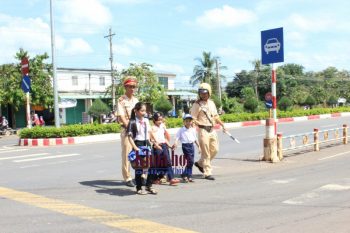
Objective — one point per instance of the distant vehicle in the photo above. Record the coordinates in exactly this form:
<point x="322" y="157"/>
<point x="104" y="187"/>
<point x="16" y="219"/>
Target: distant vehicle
<point x="272" y="44"/>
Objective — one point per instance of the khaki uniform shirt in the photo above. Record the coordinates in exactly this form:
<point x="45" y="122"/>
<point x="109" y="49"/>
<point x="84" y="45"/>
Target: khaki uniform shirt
<point x="198" y="109"/>
<point x="125" y="106"/>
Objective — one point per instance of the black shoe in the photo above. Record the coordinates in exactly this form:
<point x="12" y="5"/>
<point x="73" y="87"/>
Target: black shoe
<point x="209" y="177"/>
<point x="199" y="167"/>
<point x="130" y="183"/>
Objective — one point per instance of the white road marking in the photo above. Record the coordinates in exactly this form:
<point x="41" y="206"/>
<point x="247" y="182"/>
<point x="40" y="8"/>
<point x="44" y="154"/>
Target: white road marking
<point x="286" y="181"/>
<point x="335" y="187"/>
<point x="332" y="156"/>
<point x="329" y="126"/>
<point x="8" y="151"/>
<point x="319" y="193"/>
<point x="48" y="157"/>
<point x="23" y="156"/>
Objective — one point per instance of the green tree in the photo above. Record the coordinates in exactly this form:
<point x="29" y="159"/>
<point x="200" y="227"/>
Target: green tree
<point x="149" y="89"/>
<point x="332" y="101"/>
<point x="97" y="108"/>
<point x="163" y="105"/>
<point x="41" y="92"/>
<point x="232" y="105"/>
<point x="41" y="85"/>
<point x="251" y="104"/>
<point x="206" y="71"/>
<point x="284" y="103"/>
<point x="310" y="101"/>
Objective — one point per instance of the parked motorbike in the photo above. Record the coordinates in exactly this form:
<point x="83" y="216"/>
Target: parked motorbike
<point x="7" y="131"/>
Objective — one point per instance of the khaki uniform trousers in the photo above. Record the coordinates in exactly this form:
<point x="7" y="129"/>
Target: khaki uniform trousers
<point x="209" y="145"/>
<point x="126" y="148"/>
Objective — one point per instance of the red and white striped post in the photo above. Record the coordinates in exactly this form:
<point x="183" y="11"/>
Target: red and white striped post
<point x="274" y="99"/>
<point x="270" y="142"/>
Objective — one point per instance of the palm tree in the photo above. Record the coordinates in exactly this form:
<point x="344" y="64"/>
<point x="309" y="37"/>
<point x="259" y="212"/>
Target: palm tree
<point x="257" y="69"/>
<point x="205" y="72"/>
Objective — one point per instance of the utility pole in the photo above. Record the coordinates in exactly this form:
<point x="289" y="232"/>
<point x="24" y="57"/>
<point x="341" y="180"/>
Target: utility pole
<point x="55" y="85"/>
<point x="109" y="36"/>
<point x="218" y="80"/>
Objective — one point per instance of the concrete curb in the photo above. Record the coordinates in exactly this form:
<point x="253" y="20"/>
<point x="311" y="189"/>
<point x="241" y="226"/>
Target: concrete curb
<point x="172" y="131"/>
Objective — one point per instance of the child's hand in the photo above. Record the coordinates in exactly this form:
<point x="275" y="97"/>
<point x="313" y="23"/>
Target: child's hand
<point x="157" y="146"/>
<point x="173" y="147"/>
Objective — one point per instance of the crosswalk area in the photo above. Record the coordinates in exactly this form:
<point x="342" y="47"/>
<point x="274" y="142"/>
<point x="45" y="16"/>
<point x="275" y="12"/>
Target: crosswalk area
<point x="22" y="155"/>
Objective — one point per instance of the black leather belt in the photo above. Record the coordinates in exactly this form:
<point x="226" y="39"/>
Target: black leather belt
<point x="206" y="127"/>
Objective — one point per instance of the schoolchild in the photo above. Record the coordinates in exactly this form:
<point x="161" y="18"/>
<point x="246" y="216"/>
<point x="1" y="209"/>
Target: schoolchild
<point x="187" y="136"/>
<point x="139" y="134"/>
<point x="162" y="160"/>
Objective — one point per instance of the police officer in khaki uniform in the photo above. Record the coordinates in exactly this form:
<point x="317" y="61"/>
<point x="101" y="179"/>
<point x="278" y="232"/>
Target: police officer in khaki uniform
<point x="205" y="116"/>
<point x="125" y="105"/>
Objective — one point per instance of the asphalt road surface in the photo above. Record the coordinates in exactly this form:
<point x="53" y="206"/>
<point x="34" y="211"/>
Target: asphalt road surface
<point x="78" y="188"/>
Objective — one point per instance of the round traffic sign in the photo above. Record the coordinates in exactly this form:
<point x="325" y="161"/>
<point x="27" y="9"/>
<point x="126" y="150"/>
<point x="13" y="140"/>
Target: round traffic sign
<point x="25" y="66"/>
<point x="268" y="96"/>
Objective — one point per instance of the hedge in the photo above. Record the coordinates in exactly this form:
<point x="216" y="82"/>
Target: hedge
<point x="69" y="131"/>
<point x="93" y="129"/>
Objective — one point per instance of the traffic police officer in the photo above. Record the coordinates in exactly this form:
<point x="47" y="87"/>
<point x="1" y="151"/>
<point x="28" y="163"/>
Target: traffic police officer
<point x="125" y="104"/>
<point x="205" y="116"/>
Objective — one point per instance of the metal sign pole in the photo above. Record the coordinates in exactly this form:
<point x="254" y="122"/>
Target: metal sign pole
<point x="274" y="99"/>
<point x="29" y="120"/>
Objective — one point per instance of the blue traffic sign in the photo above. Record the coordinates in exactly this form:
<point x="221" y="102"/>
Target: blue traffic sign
<point x="268" y="104"/>
<point x="272" y="46"/>
<point x="25" y="84"/>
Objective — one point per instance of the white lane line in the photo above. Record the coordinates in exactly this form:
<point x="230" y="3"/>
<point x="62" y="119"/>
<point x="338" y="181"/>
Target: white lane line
<point x="317" y="194"/>
<point x="42" y="158"/>
<point x="24" y="156"/>
<point x="332" y="156"/>
<point x="328" y="126"/>
<point x="8" y="151"/>
<point x="286" y="181"/>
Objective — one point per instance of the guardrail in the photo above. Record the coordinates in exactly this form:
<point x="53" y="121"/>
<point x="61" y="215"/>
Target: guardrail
<point x="315" y="138"/>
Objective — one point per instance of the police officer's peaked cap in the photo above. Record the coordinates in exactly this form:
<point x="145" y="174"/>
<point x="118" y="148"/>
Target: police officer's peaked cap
<point x="130" y="81"/>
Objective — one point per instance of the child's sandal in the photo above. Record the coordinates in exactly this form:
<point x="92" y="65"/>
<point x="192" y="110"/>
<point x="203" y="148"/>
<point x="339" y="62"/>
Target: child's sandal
<point x="151" y="190"/>
<point x="185" y="179"/>
<point x="140" y="192"/>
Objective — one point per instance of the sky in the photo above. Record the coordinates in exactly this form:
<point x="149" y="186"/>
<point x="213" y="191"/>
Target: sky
<point x="171" y="34"/>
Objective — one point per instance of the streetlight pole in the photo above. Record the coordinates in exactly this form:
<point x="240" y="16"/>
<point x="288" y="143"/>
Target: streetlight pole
<point x="55" y="91"/>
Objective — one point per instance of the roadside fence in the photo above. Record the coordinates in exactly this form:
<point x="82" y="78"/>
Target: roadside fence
<point x="311" y="139"/>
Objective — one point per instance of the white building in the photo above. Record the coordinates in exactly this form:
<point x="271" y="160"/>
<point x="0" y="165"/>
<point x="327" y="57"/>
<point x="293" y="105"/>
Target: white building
<point x="78" y="87"/>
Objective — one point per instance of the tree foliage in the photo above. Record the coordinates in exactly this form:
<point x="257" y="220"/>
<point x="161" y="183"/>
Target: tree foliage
<point x="97" y="108"/>
<point x="41" y="92"/>
<point x="149" y="88"/>
<point x="206" y="71"/>
<point x="163" y="105"/>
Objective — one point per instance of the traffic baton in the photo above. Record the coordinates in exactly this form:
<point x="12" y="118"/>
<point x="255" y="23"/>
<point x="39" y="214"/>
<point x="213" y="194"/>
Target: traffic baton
<point x="233" y="138"/>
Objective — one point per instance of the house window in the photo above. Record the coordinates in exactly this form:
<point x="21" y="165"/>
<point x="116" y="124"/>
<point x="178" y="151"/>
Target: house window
<point x="164" y="82"/>
<point x="75" y="80"/>
<point x="102" y="81"/>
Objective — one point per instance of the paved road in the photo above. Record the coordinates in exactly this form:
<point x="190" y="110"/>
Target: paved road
<point x="78" y="188"/>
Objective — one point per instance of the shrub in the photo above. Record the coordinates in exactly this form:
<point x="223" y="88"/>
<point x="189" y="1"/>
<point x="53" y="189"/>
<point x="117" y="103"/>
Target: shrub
<point x="251" y="104"/>
<point x="97" y="108"/>
<point x="163" y="105"/>
<point x="285" y="103"/>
